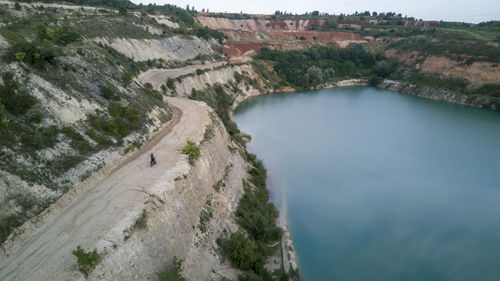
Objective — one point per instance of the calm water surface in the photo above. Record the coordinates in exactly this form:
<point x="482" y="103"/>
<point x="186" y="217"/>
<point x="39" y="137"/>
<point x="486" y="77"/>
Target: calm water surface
<point x="380" y="185"/>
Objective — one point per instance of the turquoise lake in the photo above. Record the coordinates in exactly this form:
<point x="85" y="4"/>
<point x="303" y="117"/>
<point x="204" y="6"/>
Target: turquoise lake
<point x="379" y="185"/>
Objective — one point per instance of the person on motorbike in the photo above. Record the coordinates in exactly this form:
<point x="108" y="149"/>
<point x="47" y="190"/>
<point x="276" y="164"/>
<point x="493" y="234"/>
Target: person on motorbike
<point x="153" y="160"/>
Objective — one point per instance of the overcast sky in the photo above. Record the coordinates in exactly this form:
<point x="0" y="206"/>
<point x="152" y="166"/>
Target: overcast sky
<point x="448" y="10"/>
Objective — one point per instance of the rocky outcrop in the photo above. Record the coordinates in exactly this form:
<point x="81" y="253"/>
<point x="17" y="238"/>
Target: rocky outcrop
<point x="186" y="79"/>
<point x="481" y="101"/>
<point x="210" y="78"/>
<point x="159" y="76"/>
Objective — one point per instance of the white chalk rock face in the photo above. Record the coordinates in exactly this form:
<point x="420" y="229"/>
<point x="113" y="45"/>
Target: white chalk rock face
<point x="173" y="48"/>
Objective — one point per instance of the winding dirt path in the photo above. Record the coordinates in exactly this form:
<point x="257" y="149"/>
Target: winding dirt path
<point x="98" y="215"/>
<point x="156" y="77"/>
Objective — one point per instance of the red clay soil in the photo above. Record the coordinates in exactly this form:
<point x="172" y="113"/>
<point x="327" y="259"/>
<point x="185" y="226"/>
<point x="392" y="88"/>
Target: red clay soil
<point x="248" y="36"/>
<point x="278" y="25"/>
<point x="243" y="49"/>
<point x="273" y="35"/>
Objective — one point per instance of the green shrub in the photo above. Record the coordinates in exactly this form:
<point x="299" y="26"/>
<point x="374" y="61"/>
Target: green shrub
<point x="124" y="120"/>
<point x="86" y="260"/>
<point x="35" y="117"/>
<point x="256" y="215"/>
<point x="192" y="150"/>
<point x="14" y="100"/>
<point x="199" y="71"/>
<point x="488" y="89"/>
<point x="238" y="77"/>
<point x="375" y="80"/>
<point x="5" y="122"/>
<point x="49" y="135"/>
<point x="108" y="92"/>
<point x="206" y="215"/>
<point x="36" y="55"/>
<point x="77" y="140"/>
<point x="2" y="107"/>
<point x="171" y="83"/>
<point x="62" y="35"/>
<point x="242" y="251"/>
<point x="63" y="164"/>
<point x="102" y="141"/>
<point x="7" y="224"/>
<point x="437" y="82"/>
<point x="148" y="90"/>
<point x="141" y="222"/>
<point x="127" y="78"/>
<point x="173" y="272"/>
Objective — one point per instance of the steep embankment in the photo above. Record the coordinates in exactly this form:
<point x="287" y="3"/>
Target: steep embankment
<point x="248" y="36"/>
<point x="481" y="101"/>
<point x="168" y="49"/>
<point x="102" y="214"/>
<point x="186" y="80"/>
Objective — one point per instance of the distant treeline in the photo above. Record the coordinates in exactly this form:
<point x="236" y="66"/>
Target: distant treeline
<point x="100" y="3"/>
<point x="320" y="64"/>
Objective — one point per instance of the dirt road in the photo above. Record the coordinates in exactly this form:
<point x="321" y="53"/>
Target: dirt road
<point x="157" y="77"/>
<point x="98" y="215"/>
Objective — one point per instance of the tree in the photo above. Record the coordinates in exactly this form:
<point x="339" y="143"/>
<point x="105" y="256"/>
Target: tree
<point x="329" y="74"/>
<point x="382" y="69"/>
<point x="332" y="24"/>
<point x="314" y="76"/>
<point x="122" y="10"/>
<point x="242" y="251"/>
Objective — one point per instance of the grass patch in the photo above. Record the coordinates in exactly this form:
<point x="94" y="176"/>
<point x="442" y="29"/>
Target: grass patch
<point x="206" y="215"/>
<point x="86" y="260"/>
<point x="141" y="222"/>
<point x="8" y="224"/>
<point x="77" y="140"/>
<point x="14" y="99"/>
<point x="173" y="272"/>
<point x="192" y="150"/>
<point x="209" y="133"/>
